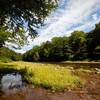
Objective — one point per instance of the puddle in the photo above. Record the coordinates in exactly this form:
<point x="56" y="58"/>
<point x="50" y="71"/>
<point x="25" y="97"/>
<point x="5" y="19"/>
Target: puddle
<point x="10" y="83"/>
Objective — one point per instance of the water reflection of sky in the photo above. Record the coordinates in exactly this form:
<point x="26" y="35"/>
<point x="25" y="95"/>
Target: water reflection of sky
<point x="11" y="81"/>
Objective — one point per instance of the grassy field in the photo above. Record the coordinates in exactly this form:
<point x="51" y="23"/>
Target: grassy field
<point x="51" y="76"/>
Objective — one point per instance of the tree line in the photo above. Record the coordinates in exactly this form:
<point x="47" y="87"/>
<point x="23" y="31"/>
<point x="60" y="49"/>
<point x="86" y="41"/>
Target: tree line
<point x="78" y="46"/>
<point x="7" y="55"/>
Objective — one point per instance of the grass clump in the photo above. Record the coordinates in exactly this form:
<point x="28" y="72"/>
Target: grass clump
<point x="84" y="70"/>
<point x="52" y="77"/>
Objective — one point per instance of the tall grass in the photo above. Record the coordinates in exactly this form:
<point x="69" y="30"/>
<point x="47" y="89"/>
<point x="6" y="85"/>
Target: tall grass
<point x="52" y="77"/>
<point x="49" y="76"/>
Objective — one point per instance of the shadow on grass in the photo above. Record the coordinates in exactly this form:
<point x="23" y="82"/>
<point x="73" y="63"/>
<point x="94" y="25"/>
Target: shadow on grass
<point x="6" y="69"/>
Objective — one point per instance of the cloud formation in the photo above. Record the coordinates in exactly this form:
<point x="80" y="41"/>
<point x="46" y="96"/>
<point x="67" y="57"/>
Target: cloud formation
<point x="71" y="15"/>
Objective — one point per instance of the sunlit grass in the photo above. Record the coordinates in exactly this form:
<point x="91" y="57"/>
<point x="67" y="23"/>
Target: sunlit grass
<point x="51" y="77"/>
<point x="84" y="70"/>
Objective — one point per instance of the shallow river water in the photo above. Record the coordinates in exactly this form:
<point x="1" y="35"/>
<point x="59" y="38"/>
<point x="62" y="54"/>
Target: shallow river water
<point x="12" y="88"/>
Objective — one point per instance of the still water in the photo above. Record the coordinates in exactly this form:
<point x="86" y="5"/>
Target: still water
<point x="11" y="81"/>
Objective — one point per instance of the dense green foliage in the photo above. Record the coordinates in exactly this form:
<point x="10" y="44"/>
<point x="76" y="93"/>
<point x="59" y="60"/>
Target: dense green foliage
<point x="6" y="36"/>
<point x="77" y="42"/>
<point x="7" y="55"/>
<point x="3" y="36"/>
<point x="93" y="43"/>
<point x="78" y="46"/>
<point x="20" y="17"/>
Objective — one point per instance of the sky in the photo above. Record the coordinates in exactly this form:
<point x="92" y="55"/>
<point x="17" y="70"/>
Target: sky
<point x="71" y="15"/>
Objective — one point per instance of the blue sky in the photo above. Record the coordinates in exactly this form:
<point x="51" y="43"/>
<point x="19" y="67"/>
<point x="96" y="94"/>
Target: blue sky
<point x="71" y="15"/>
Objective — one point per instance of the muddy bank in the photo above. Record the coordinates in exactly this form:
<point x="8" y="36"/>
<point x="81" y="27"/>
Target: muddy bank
<point x="41" y="94"/>
<point x="38" y="94"/>
<point x="76" y="64"/>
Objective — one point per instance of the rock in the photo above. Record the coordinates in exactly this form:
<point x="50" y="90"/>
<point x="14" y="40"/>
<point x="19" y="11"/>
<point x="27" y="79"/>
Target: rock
<point x="98" y="70"/>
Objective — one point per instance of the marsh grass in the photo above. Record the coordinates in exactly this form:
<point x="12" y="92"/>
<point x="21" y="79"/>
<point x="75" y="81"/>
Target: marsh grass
<point x="84" y="70"/>
<point x="48" y="76"/>
<point x="51" y="77"/>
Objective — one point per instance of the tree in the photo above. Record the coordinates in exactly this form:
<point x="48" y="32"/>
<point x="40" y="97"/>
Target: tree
<point x="57" y="48"/>
<point x="96" y="53"/>
<point x="36" y="56"/>
<point x="45" y="51"/>
<point x="66" y="49"/>
<point x="77" y="42"/>
<point x="93" y="41"/>
<point x="6" y="36"/>
<point x="61" y="48"/>
<point x="32" y="55"/>
<point x="28" y="56"/>
<point x="3" y="36"/>
<point x="19" y="15"/>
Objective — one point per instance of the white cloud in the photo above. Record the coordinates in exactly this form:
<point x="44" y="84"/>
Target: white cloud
<point x="62" y="2"/>
<point x="75" y="13"/>
<point x="95" y="16"/>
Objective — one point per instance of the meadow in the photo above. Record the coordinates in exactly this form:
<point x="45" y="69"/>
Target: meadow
<point x="49" y="76"/>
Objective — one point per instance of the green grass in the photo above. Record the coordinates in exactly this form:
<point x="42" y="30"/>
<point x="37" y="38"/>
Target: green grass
<point x="81" y="61"/>
<point x="49" y="76"/>
<point x="84" y="70"/>
<point x="5" y="60"/>
<point x="52" y="77"/>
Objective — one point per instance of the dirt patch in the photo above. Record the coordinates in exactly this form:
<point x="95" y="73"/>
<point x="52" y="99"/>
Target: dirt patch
<point x="91" y="88"/>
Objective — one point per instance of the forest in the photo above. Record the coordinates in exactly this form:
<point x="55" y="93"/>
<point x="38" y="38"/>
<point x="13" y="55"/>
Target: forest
<point x="78" y="46"/>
